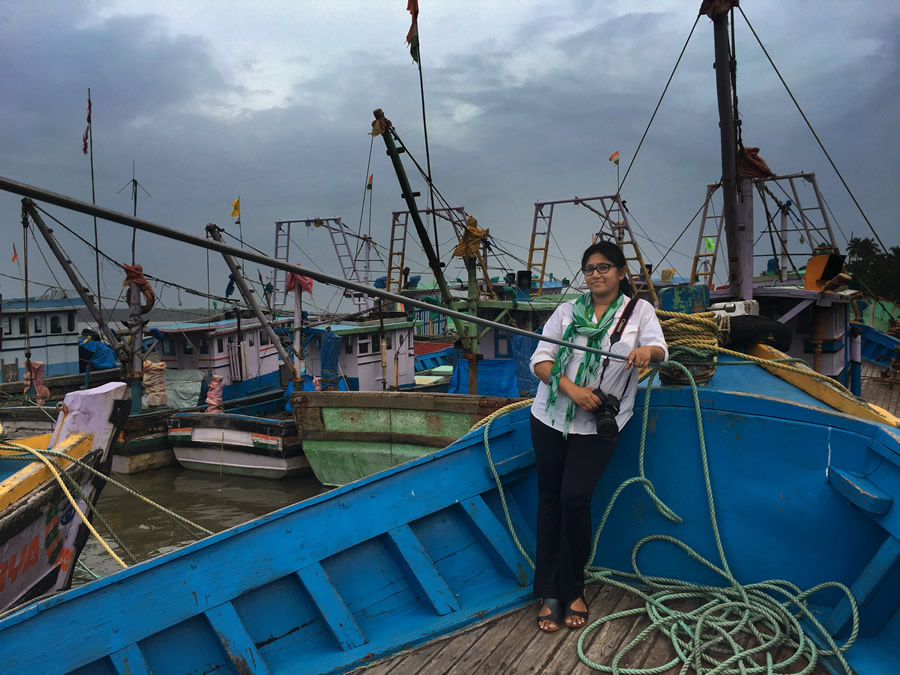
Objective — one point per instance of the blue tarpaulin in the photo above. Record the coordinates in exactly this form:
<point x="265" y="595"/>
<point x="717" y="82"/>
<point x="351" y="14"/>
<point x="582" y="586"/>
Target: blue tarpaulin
<point x="496" y="377"/>
<point x="307" y="385"/>
<point x="522" y="349"/>
<point x="102" y="355"/>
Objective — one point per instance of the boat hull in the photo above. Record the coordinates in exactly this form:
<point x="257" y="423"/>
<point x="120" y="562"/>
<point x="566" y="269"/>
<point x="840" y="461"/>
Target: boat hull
<point x="41" y="533"/>
<point x="424" y="549"/>
<point x="350" y="435"/>
<point x="237" y="444"/>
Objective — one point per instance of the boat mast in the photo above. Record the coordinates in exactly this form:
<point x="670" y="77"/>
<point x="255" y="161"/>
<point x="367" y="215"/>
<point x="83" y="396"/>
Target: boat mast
<point x="740" y="261"/>
<point x="468" y="337"/>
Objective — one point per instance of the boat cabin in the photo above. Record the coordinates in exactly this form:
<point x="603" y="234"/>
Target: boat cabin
<point x="53" y="324"/>
<point x="352" y="350"/>
<point x="237" y="349"/>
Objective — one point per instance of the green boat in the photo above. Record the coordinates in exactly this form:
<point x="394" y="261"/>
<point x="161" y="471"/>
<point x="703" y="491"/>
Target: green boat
<point x="348" y="435"/>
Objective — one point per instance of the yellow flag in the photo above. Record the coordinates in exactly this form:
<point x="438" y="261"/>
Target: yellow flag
<point x="236" y="208"/>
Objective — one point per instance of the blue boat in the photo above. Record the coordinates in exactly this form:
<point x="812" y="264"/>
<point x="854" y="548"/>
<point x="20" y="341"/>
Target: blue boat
<point x="801" y="494"/>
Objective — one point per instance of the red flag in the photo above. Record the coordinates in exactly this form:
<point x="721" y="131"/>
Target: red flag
<point x="15" y="254"/>
<point x="298" y="280"/>
<point x="369" y="182"/>
<point x="412" y="37"/>
<point x="87" y="130"/>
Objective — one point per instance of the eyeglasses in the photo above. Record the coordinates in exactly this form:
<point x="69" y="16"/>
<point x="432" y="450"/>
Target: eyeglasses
<point x="603" y="268"/>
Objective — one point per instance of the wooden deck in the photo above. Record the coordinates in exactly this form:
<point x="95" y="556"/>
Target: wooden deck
<point x="512" y="643"/>
<point x="878" y="390"/>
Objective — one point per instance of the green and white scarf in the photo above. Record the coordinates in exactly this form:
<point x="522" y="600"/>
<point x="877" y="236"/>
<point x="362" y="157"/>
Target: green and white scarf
<point x="582" y="324"/>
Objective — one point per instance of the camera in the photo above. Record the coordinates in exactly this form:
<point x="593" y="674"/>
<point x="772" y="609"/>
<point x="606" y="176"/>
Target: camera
<point x="606" y="414"/>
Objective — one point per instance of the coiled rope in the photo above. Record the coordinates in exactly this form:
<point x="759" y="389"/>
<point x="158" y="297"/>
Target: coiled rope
<point x="706" y="637"/>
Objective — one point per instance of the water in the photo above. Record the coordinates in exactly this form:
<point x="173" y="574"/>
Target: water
<point x="213" y="501"/>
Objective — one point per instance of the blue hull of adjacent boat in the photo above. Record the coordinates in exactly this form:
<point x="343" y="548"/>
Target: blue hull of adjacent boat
<point x="801" y="494"/>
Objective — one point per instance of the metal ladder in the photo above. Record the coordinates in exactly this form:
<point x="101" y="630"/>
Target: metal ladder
<point x="700" y="258"/>
<point x="614" y="225"/>
<point x="397" y="254"/>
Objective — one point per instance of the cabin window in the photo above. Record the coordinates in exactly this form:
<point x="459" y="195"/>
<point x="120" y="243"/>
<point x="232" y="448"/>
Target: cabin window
<point x="387" y="341"/>
<point x="231" y="339"/>
<point x="23" y="327"/>
<point x="263" y="338"/>
<point x="7" y="326"/>
<point x="168" y="346"/>
<point x="363" y="346"/>
<point x="220" y="346"/>
<point x="251" y="339"/>
<point x="70" y="322"/>
<point x="55" y="324"/>
<point x="348" y="344"/>
<point x="204" y="346"/>
<point x="188" y="346"/>
<point x="38" y="324"/>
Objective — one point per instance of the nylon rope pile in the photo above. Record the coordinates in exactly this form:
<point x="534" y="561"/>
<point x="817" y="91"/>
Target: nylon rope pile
<point x="704" y="638"/>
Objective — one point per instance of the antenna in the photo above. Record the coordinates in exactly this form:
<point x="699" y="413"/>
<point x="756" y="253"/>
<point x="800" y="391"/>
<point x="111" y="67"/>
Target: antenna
<point x="134" y="195"/>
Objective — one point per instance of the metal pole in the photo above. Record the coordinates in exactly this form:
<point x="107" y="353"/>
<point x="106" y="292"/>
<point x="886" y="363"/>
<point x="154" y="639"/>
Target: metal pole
<point x="80" y="206"/>
<point x="729" y="154"/>
<point x="433" y="261"/>
<point x="124" y="357"/>
<point x="213" y="231"/>
<point x="136" y="376"/>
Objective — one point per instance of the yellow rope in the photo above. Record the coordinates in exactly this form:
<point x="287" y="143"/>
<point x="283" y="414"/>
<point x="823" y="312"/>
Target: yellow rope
<point x="11" y="445"/>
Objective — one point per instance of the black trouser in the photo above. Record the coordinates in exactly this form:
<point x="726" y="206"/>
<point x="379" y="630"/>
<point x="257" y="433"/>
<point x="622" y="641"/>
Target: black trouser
<point x="568" y="470"/>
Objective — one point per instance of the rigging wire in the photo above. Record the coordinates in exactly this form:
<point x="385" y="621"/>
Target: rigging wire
<point x="656" y="109"/>
<point x="813" y="131"/>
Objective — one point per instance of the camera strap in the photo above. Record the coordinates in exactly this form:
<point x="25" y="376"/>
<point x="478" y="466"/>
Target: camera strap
<point x="616" y="335"/>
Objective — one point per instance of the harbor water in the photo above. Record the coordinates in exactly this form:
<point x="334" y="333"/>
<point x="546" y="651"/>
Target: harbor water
<point x="216" y="502"/>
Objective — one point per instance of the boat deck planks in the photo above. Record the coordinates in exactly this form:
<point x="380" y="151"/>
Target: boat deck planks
<point x="512" y="643"/>
<point x="878" y="390"/>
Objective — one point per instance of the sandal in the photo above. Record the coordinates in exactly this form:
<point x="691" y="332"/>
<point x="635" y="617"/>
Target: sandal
<point x="555" y="615"/>
<point x="574" y="612"/>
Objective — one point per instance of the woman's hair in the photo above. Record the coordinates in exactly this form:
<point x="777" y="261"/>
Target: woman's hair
<point x="611" y="251"/>
<point x="608" y="249"/>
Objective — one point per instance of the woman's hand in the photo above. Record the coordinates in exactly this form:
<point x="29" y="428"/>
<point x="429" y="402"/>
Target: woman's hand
<point x="583" y="397"/>
<point x="642" y="356"/>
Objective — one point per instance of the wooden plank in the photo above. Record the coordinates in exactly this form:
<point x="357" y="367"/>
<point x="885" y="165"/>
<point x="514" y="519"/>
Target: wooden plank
<point x="412" y="663"/>
<point x="331" y="607"/>
<point x="420" y="571"/>
<point x="443" y="661"/>
<point x="614" y="636"/>
<point x="130" y="661"/>
<point x="511" y="645"/>
<point x="495" y="539"/>
<point x="237" y="642"/>
<point x="474" y="660"/>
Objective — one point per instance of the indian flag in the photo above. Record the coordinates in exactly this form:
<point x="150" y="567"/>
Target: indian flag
<point x="614" y="157"/>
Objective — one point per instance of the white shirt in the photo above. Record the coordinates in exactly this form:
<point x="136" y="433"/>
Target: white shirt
<point x="642" y="330"/>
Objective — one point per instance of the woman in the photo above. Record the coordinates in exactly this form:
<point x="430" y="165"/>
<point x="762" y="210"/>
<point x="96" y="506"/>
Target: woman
<point x="570" y="454"/>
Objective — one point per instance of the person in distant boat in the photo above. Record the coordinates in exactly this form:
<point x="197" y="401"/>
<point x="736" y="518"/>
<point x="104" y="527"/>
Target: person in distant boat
<point x="582" y="402"/>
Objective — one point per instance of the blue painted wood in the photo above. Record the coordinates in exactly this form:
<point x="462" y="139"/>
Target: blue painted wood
<point x="883" y="563"/>
<point x="331" y="607"/>
<point x="523" y="460"/>
<point x="422" y="573"/>
<point x="240" y="648"/>
<point x="130" y="661"/>
<point x="860" y="491"/>
<point x="495" y="538"/>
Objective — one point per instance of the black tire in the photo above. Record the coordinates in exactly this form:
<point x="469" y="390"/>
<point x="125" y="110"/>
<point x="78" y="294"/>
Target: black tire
<point x="747" y="329"/>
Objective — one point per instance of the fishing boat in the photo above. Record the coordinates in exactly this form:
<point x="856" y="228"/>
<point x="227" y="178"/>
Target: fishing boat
<point x="347" y="436"/>
<point x="426" y="548"/>
<point x="41" y="531"/>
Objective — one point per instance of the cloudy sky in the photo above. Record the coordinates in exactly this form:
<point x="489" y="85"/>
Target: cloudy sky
<point x="272" y="102"/>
